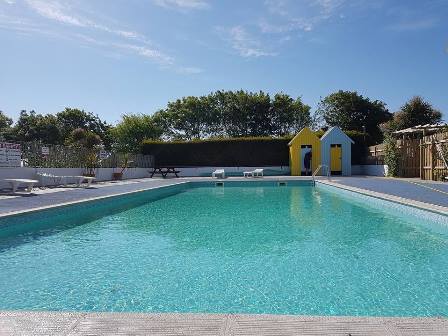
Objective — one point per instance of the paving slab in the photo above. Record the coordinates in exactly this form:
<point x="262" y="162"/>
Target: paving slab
<point x="398" y="187"/>
<point x="76" y="324"/>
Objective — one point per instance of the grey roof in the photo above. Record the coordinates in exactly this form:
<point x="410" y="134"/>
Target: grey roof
<point x="336" y="129"/>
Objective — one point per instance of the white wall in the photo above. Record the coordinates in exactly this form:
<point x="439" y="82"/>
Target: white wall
<point x="102" y="174"/>
<point x="370" y="170"/>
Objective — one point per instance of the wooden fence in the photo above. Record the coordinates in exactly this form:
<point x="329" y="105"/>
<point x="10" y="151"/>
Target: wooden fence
<point x="37" y="155"/>
<point x="433" y="166"/>
<point x="418" y="158"/>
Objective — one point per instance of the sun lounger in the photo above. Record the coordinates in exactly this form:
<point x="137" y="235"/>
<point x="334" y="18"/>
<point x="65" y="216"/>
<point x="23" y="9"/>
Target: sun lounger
<point x="43" y="177"/>
<point x="81" y="179"/>
<point x="219" y="173"/>
<point x="253" y="173"/>
<point x="257" y="173"/>
<point x="15" y="183"/>
<point x="63" y="179"/>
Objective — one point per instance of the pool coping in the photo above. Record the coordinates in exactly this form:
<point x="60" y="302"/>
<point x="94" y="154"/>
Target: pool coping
<point x="438" y="209"/>
<point x="86" y="200"/>
<point x="73" y="324"/>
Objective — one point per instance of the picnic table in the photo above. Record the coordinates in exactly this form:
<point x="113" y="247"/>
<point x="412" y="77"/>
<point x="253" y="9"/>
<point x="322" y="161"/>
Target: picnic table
<point x="164" y="171"/>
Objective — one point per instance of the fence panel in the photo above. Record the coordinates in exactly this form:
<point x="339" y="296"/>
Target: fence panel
<point x="410" y="157"/>
<point x="376" y="155"/>
<point x="434" y="153"/>
<point x="37" y="155"/>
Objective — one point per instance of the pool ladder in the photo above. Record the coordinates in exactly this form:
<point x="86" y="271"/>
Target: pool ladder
<point x="328" y="173"/>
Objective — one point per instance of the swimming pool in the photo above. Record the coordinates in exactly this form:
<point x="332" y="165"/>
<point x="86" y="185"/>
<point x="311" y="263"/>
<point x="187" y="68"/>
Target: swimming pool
<point x="241" y="248"/>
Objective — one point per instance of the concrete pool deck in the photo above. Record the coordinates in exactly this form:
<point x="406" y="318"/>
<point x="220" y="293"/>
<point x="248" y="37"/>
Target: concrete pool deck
<point x="54" y="323"/>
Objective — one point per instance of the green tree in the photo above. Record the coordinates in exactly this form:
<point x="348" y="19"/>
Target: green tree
<point x="351" y="111"/>
<point x="36" y="127"/>
<point x="244" y="113"/>
<point x="88" y="144"/>
<point x="289" y="116"/>
<point x="189" y="118"/>
<point x="5" y="121"/>
<point x="132" y="130"/>
<point x="5" y="126"/>
<point x="415" y="112"/>
<point x="73" y="118"/>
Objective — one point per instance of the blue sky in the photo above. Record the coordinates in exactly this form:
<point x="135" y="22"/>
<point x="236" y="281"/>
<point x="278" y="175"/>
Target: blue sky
<point x="133" y="56"/>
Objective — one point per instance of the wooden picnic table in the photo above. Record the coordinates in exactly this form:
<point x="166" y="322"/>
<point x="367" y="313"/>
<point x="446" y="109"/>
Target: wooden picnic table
<point x="164" y="171"/>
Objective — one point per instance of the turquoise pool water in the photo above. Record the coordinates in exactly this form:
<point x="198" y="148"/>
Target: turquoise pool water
<point x="277" y="250"/>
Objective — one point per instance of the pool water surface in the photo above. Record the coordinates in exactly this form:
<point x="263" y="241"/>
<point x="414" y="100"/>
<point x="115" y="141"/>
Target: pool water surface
<point x="276" y="250"/>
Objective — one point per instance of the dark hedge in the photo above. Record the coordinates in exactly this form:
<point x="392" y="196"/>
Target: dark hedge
<point x="234" y="152"/>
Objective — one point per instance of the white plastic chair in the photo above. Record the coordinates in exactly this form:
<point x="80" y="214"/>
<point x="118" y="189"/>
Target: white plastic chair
<point x="219" y="172"/>
<point x="258" y="173"/>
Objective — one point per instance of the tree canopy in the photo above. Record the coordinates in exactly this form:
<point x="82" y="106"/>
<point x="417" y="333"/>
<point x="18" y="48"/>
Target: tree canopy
<point x="351" y="111"/>
<point x="233" y="114"/>
<point x="132" y="130"/>
<point x="220" y="114"/>
<point x="414" y="112"/>
<point x="5" y="121"/>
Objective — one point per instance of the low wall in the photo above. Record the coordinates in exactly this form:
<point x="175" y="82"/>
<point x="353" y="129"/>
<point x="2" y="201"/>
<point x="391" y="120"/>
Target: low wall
<point x="370" y="170"/>
<point x="102" y="174"/>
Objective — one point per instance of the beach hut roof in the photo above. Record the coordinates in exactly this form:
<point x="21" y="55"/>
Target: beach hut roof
<point x="302" y="132"/>
<point x="338" y="130"/>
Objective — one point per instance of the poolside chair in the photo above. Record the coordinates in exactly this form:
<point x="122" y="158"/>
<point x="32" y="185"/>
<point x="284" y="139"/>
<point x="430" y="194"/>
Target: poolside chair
<point x="63" y="179"/>
<point x="219" y="173"/>
<point x="43" y="177"/>
<point x="16" y="182"/>
<point x="258" y="173"/>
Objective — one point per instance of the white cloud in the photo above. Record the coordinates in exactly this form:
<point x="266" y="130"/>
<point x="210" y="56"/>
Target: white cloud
<point x="55" y="10"/>
<point x="244" y="43"/>
<point x="87" y="31"/>
<point x="183" y="4"/>
<point x="414" y="25"/>
<point x="287" y="16"/>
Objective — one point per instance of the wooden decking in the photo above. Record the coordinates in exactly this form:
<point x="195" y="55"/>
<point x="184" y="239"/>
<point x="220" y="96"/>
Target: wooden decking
<point x="45" y="323"/>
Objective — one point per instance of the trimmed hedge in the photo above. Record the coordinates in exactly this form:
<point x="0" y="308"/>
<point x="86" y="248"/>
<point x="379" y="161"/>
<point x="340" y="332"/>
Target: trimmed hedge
<point x="234" y="152"/>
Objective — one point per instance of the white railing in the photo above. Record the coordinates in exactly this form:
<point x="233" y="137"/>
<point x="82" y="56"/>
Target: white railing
<point x="328" y="172"/>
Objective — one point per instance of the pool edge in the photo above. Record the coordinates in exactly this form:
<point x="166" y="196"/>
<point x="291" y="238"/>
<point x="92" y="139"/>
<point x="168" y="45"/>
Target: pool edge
<point x="437" y="209"/>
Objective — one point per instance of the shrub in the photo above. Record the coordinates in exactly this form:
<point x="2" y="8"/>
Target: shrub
<point x="391" y="156"/>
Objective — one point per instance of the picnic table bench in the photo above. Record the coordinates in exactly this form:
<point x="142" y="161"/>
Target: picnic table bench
<point x="164" y="171"/>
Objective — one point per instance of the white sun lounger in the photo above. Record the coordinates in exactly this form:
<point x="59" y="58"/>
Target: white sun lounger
<point x="15" y="183"/>
<point x="81" y="179"/>
<point x="63" y="179"/>
<point x="254" y="173"/>
<point x="219" y="173"/>
<point x="257" y="173"/>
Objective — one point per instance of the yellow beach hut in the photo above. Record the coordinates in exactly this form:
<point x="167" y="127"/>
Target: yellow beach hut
<point x="305" y="141"/>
